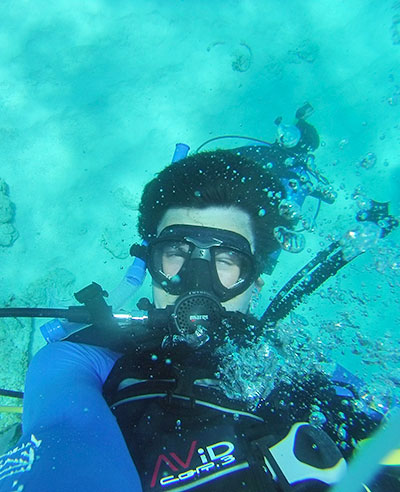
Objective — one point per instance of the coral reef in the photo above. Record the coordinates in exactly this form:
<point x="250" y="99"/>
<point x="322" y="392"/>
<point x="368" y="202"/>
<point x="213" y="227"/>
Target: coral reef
<point x="20" y="339"/>
<point x="113" y="240"/>
<point x="126" y="198"/>
<point x="241" y="55"/>
<point x="3" y="187"/>
<point x="15" y="335"/>
<point x="8" y="233"/>
<point x="10" y="436"/>
<point x="54" y="289"/>
<point x="6" y="209"/>
<point x="242" y="58"/>
<point x="306" y="51"/>
<point x="395" y="28"/>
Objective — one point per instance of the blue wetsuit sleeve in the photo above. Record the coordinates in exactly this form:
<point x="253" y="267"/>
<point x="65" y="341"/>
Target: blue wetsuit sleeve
<point x="71" y="440"/>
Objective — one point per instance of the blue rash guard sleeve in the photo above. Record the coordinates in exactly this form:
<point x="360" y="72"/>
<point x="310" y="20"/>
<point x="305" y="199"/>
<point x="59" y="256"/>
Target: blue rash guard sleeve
<point x="71" y="440"/>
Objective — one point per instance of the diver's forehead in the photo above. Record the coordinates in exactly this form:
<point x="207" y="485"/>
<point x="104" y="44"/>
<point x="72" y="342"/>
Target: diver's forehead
<point x="229" y="218"/>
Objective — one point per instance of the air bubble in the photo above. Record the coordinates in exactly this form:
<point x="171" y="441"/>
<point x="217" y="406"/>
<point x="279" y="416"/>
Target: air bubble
<point x="342" y="432"/>
<point x="289" y="210"/>
<point x="317" y="419"/>
<point x="288" y="135"/>
<point x="358" y="240"/>
<point x="289" y="162"/>
<point x="364" y="203"/>
<point x="368" y="161"/>
<point x="290" y="241"/>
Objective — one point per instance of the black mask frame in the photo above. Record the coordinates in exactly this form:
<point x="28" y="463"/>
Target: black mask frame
<point x="199" y="272"/>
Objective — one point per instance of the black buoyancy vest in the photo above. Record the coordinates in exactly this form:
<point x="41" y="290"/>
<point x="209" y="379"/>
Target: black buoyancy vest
<point x="183" y="433"/>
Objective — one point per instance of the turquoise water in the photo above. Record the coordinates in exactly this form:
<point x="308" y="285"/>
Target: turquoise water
<point x="93" y="98"/>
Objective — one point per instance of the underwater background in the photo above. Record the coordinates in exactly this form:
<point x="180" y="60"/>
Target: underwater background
<point x="93" y="98"/>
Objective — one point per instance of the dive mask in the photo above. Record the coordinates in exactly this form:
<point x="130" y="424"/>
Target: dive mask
<point x="186" y="258"/>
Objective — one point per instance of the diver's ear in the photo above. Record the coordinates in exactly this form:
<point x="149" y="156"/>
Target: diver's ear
<point x="259" y="284"/>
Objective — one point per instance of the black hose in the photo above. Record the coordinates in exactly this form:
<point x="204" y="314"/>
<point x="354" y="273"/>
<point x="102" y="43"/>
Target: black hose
<point x="11" y="393"/>
<point x="77" y="314"/>
<point x="325" y="264"/>
<point x="126" y="338"/>
<point x="14" y="312"/>
<point x="232" y="136"/>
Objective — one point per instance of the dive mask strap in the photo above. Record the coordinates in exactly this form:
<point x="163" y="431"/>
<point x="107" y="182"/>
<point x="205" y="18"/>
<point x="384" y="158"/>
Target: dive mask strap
<point x="139" y="251"/>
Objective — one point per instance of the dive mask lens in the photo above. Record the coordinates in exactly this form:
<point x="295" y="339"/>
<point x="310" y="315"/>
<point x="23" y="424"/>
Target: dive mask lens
<point x="232" y="267"/>
<point x="168" y="258"/>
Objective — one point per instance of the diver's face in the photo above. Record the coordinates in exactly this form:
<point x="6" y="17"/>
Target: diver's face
<point x="228" y="218"/>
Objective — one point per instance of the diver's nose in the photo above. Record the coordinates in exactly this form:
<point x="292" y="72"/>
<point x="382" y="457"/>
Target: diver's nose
<point x="198" y="275"/>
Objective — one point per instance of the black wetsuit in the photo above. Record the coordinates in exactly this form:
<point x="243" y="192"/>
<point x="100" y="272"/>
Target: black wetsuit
<point x="184" y="434"/>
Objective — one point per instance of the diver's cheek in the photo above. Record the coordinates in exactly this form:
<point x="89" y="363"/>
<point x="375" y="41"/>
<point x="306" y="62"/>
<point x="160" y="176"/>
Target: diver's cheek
<point x="241" y="302"/>
<point x="161" y="298"/>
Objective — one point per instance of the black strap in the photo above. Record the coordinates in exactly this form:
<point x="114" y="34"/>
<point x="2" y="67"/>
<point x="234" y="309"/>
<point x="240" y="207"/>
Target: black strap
<point x="260" y="451"/>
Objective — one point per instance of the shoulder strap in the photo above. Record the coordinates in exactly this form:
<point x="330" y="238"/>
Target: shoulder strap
<point x="306" y="454"/>
<point x="263" y="474"/>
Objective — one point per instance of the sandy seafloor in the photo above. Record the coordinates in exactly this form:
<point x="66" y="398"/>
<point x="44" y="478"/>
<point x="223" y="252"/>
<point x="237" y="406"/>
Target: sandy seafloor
<point x="95" y="95"/>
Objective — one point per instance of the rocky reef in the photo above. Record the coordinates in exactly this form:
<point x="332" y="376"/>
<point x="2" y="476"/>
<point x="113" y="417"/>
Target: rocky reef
<point x="8" y="233"/>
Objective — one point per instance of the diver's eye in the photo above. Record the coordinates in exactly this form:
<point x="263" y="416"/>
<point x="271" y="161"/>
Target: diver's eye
<point x="228" y="257"/>
<point x="173" y="257"/>
<point x="228" y="265"/>
<point x="176" y="249"/>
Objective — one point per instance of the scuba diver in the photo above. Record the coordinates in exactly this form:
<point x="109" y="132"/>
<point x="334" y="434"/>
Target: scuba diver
<point x="116" y="406"/>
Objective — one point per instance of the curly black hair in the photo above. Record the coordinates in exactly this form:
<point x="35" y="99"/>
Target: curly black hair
<point x="217" y="178"/>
